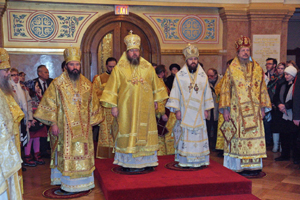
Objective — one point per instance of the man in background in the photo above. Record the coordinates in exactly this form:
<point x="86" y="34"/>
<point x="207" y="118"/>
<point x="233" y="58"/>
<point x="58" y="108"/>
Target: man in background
<point x="105" y="137"/>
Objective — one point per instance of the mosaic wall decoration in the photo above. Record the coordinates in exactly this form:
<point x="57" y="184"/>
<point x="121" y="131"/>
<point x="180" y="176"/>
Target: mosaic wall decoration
<point x="45" y="26"/>
<point x="186" y="28"/>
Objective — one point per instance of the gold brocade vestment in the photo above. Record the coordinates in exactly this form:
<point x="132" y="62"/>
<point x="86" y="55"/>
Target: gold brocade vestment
<point x="244" y="92"/>
<point x="18" y="115"/>
<point x="105" y="139"/>
<point x="10" y="153"/>
<point x="166" y="142"/>
<point x="74" y="110"/>
<point x="133" y="90"/>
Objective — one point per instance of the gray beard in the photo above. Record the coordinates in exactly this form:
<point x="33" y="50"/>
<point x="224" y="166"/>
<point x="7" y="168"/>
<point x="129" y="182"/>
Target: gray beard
<point x="6" y="87"/>
<point x="244" y="62"/>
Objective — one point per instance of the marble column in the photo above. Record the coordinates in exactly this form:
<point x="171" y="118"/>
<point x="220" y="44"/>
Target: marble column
<point x="255" y="19"/>
<point x="2" y="10"/>
<point x="271" y="21"/>
<point x="235" y="24"/>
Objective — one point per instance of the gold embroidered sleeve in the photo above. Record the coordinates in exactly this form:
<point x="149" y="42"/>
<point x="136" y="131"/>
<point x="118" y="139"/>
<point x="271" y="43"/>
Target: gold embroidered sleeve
<point x="97" y="86"/>
<point x="218" y="90"/>
<point x="161" y="109"/>
<point x="47" y="111"/>
<point x="109" y="96"/>
<point x="264" y="95"/>
<point x="225" y="96"/>
<point x="159" y="90"/>
<point x="96" y="110"/>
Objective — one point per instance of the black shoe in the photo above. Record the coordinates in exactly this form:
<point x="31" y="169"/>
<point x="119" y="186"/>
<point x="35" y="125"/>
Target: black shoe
<point x="220" y="154"/>
<point x="282" y="158"/>
<point x="149" y="168"/>
<point x="45" y="155"/>
<point x="125" y="169"/>
<point x="296" y="162"/>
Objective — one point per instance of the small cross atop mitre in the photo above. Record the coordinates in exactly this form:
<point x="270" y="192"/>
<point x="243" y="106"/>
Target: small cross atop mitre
<point x="243" y="41"/>
<point x="4" y="59"/>
<point x="132" y="41"/>
<point x="72" y="54"/>
<point x="190" y="51"/>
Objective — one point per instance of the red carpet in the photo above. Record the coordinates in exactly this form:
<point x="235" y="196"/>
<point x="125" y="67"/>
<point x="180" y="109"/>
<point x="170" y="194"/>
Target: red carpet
<point x="215" y="180"/>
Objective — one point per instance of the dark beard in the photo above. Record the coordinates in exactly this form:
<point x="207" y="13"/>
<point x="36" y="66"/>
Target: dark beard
<point x="134" y="61"/>
<point x="74" y="74"/>
<point x="191" y="68"/>
<point x="5" y="86"/>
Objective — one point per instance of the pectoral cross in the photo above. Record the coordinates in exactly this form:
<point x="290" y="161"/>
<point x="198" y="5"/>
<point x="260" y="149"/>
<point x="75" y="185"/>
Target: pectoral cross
<point x="76" y="97"/>
<point x="190" y="87"/>
<point x="196" y="88"/>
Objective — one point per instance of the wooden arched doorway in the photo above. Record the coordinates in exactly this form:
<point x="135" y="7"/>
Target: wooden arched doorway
<point x="114" y="28"/>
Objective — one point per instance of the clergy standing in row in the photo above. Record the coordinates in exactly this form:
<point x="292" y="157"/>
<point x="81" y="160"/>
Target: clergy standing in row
<point x="11" y="181"/>
<point x="71" y="107"/>
<point x="190" y="100"/>
<point x="243" y="100"/>
<point x="105" y="138"/>
<point x="131" y="92"/>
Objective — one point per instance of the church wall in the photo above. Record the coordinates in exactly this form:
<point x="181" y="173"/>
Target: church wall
<point x="221" y="25"/>
<point x="28" y="47"/>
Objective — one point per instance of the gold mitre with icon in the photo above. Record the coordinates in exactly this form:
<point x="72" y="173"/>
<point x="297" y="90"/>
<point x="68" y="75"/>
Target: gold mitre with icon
<point x="243" y="41"/>
<point x="4" y="59"/>
<point x="190" y="51"/>
<point x="72" y="54"/>
<point x="132" y="41"/>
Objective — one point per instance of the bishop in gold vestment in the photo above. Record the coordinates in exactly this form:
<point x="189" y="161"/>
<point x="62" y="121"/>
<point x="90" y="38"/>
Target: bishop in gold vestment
<point x="131" y="91"/>
<point x="11" y="181"/>
<point x="71" y="107"/>
<point x="243" y="100"/>
<point x="105" y="138"/>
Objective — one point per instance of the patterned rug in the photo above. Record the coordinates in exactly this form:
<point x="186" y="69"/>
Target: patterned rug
<point x="57" y="193"/>
<point x="119" y="170"/>
<point x="174" y="166"/>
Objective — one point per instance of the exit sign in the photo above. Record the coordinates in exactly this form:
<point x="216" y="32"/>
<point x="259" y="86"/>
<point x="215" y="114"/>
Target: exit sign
<point x="121" y="10"/>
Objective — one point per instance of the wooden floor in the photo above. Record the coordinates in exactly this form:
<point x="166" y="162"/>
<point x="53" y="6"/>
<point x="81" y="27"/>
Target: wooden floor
<point x="281" y="183"/>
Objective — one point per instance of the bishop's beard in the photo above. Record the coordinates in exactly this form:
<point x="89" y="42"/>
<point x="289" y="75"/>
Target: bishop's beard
<point x="74" y="74"/>
<point x="244" y="62"/>
<point x="134" y="61"/>
<point x="5" y="86"/>
<point x="193" y="67"/>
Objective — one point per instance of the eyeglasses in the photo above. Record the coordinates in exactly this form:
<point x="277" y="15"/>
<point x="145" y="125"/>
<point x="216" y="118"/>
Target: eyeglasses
<point x="211" y="76"/>
<point x="14" y="75"/>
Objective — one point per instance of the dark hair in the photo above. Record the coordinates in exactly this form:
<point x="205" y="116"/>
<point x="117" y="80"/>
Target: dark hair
<point x="214" y="70"/>
<point x="111" y="59"/>
<point x="174" y="65"/>
<point x="159" y="69"/>
<point x="154" y="64"/>
<point x="273" y="59"/>
<point x="14" y="70"/>
<point x="229" y="62"/>
<point x="63" y="64"/>
<point x="293" y="63"/>
<point x="39" y="67"/>
<point x="32" y="91"/>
